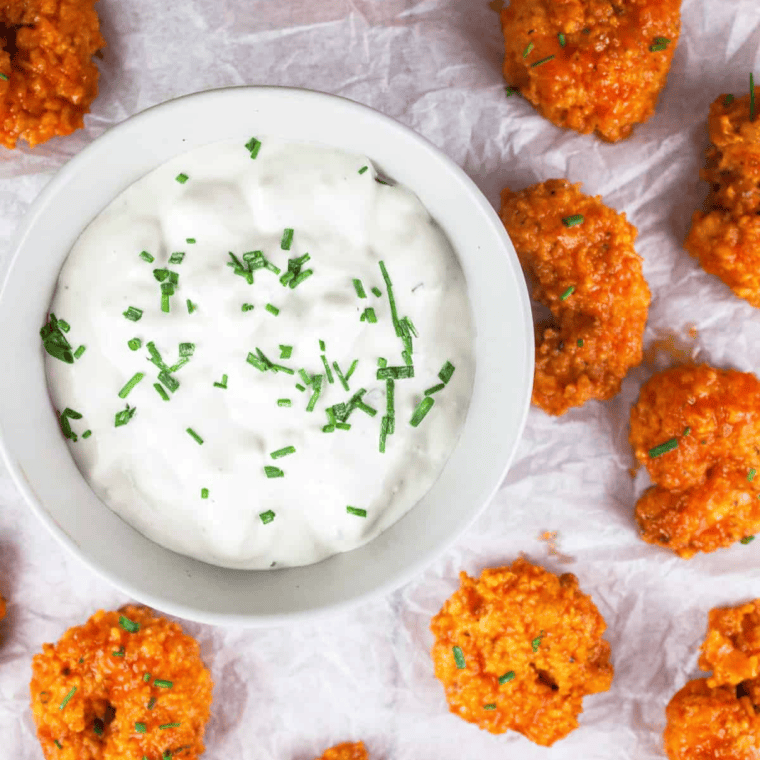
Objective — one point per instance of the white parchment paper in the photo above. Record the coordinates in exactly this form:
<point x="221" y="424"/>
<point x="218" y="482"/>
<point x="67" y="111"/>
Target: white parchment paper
<point x="435" y="65"/>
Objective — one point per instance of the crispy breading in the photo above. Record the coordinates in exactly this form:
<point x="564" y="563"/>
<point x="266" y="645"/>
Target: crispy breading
<point x="590" y="277"/>
<point x="106" y="693"/>
<point x="731" y="648"/>
<point x="48" y="78"/>
<point x="609" y="72"/>
<point x="346" y="751"/>
<point x="518" y="649"/>
<point x="705" y="495"/>
<point x="725" y="237"/>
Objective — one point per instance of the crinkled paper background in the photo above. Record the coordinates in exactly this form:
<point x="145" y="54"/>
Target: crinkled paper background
<point x="435" y="65"/>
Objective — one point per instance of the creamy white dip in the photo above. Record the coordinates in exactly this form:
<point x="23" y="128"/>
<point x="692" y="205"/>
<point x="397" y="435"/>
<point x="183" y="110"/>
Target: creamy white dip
<point x="150" y="470"/>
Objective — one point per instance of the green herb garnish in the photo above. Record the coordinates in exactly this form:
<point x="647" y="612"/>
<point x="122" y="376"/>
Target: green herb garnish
<point x="97" y="727"/>
<point x="316" y="384"/>
<point x="391" y="298"/>
<point x="55" y="741"/>
<point x="67" y="698"/>
<point x="182" y="178"/>
<point x="141" y="728"/>
<point x="351" y="369"/>
<point x="190" y="241"/>
<point x="253" y="146"/>
<point x="169" y="725"/>
<point x="751" y="474"/>
<point x="267" y="517"/>
<point x="119" y="652"/>
<point x="341" y="377"/>
<point x="134" y="344"/>
<point x="511" y="91"/>
<point x="395" y="373"/>
<point x="446" y="372"/>
<point x="356" y="511"/>
<point x="195" y="436"/>
<point x="728" y="100"/>
<point x="145" y="256"/>
<point x="135" y="379"/>
<point x="146" y="677"/>
<point x="55" y="342"/>
<point x="124" y="416"/>
<point x="128" y="625"/>
<point x="283" y="452"/>
<point x="459" y="658"/>
<point x="163" y="684"/>
<point x="368" y="315"/>
<point x="361" y="171"/>
<point x="434" y="389"/>
<point x="562" y="40"/>
<point x="272" y="309"/>
<point x="273" y="472"/>
<point x="663" y="448"/>
<point x="359" y="288"/>
<point x="223" y="384"/>
<point x="421" y="411"/>
<point x="747" y="540"/>
<point x="536" y="643"/>
<point x="287" y="239"/>
<point x="660" y="43"/>
<point x="204" y="493"/>
<point x="580" y="342"/>
<point x="573" y="221"/>
<point x="191" y="307"/>
<point x="177" y="257"/>
<point x="507" y="677"/>
<point x="542" y="61"/>
<point x="284" y="402"/>
<point x="528" y="50"/>
<point x="567" y="293"/>
<point x="161" y="392"/>
<point x="133" y="314"/>
<point x="87" y="434"/>
<point x="490" y="706"/>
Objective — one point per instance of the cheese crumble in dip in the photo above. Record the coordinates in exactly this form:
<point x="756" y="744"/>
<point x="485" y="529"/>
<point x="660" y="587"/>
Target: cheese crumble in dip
<point x="261" y="355"/>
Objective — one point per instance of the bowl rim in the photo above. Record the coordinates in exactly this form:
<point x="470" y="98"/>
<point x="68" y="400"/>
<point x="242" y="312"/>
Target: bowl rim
<point x="387" y="584"/>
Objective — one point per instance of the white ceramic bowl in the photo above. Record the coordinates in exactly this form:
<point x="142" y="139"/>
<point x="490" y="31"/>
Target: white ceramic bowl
<point x="34" y="448"/>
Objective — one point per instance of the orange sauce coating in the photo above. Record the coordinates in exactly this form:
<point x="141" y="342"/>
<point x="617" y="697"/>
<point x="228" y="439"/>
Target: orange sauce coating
<point x="101" y="668"/>
<point x="590" y="277"/>
<point x="346" y="751"/>
<point x="705" y="495"/>
<point x="605" y="78"/>
<point x="49" y="80"/>
<point x="532" y="648"/>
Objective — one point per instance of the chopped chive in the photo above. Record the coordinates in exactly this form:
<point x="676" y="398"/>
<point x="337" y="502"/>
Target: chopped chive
<point x="747" y="540"/>
<point x="361" y="171"/>
<point x="67" y="698"/>
<point x="446" y="372"/>
<point x="301" y="277"/>
<point x="161" y="392"/>
<point x="422" y="409"/>
<point x="128" y="625"/>
<point x="286" y="352"/>
<point x="272" y="309"/>
<point x="304" y="376"/>
<point x="146" y="677"/>
<point x="395" y="373"/>
<point x="135" y="379"/>
<point x="133" y="314"/>
<point x="434" y="389"/>
<point x="247" y="307"/>
<point x="543" y="60"/>
<point x="124" y="416"/>
<point x="341" y="377"/>
<point x="195" y="436"/>
<point x="190" y="241"/>
<point x="382" y="363"/>
<point x="527" y="50"/>
<point x="119" y="652"/>
<point x="391" y="299"/>
<point x="204" y="493"/>
<point x="169" y="725"/>
<point x="253" y="146"/>
<point x="567" y="293"/>
<point x="751" y="97"/>
<point x="490" y="706"/>
<point x="322" y="345"/>
<point x="368" y="315"/>
<point x="316" y="383"/>
<point x="536" y="643"/>
<point x="351" y="369"/>
<point x="254" y="360"/>
<point x="287" y="239"/>
<point x="87" y="434"/>
<point x="573" y="221"/>
<point x="562" y="40"/>
<point x="728" y="100"/>
<point x="459" y="658"/>
<point x="273" y="472"/>
<point x="168" y="380"/>
<point x="223" y="384"/>
<point x="507" y="677"/>
<point x="145" y="256"/>
<point x="182" y="178"/>
<point x="134" y="344"/>
<point x="78" y="353"/>
<point x="280" y="453"/>
<point x="377" y="292"/>
<point x="511" y="91"/>
<point x="266" y="517"/>
<point x="284" y="402"/>
<point x="97" y="727"/>
<point x="141" y="728"/>
<point x="580" y="342"/>
<point x="751" y="474"/>
<point x="356" y="511"/>
<point x="163" y="684"/>
<point x="55" y="741"/>
<point x="54" y="341"/>
<point x="177" y="257"/>
<point x="390" y="404"/>
<point x="165" y="304"/>
<point x="342" y="426"/>
<point x="686" y="431"/>
<point x="300" y="387"/>
<point x="191" y="307"/>
<point x="663" y="448"/>
<point x="359" y="288"/>
<point x="328" y="371"/>
<point x="660" y="43"/>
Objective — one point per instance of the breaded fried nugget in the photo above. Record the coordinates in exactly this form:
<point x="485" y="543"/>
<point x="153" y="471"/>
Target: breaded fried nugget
<point x="579" y="254"/>
<point x="519" y="648"/>
<point x="125" y="684"/>
<point x="591" y="65"/>
<point x="48" y="78"/>
<point x="725" y="237"/>
<point x="697" y="431"/>
<point x="707" y="723"/>
<point x="347" y="751"/>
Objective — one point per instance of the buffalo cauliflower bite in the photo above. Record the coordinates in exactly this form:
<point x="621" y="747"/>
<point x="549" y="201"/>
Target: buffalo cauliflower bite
<point x="123" y="685"/>
<point x="579" y="256"/>
<point x="518" y="649"/>
<point x="697" y="431"/>
<point x="725" y="237"/>
<point x="346" y="751"/>
<point x="591" y="65"/>
<point x="47" y="76"/>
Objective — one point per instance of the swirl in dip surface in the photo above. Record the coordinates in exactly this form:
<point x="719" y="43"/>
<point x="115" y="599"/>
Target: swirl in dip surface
<point x="215" y="338"/>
